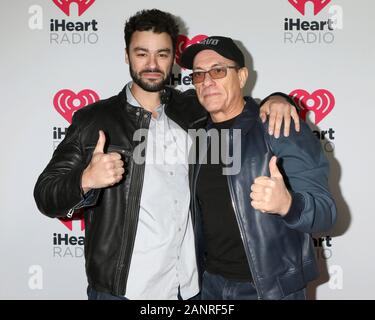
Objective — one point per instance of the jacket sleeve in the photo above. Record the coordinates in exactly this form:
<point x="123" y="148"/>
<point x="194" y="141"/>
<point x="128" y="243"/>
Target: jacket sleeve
<point x="305" y="169"/>
<point x="58" y="191"/>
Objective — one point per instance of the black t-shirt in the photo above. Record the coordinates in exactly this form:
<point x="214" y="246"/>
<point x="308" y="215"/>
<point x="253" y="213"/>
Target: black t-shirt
<point x="225" y="252"/>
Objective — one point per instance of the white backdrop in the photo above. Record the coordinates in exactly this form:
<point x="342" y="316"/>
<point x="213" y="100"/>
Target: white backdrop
<point x="43" y="72"/>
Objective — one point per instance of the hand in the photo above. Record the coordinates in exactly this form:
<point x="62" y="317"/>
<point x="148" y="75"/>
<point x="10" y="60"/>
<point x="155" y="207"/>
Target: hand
<point x="269" y="194"/>
<point x="104" y="170"/>
<point x="279" y="109"/>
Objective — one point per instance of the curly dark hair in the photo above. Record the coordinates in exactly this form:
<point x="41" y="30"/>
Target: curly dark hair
<point x="155" y="20"/>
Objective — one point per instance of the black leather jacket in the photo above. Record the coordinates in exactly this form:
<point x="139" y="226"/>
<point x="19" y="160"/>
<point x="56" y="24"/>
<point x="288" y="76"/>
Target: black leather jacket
<point x="111" y="215"/>
<point x="279" y="250"/>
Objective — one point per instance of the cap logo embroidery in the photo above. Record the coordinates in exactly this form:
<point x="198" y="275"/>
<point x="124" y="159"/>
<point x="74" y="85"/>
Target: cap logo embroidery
<point x="212" y="42"/>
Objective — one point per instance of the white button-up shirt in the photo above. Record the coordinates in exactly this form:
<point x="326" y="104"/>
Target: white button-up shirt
<point x="164" y="252"/>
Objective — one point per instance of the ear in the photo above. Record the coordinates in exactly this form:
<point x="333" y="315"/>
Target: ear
<point x="243" y="74"/>
<point x="126" y="56"/>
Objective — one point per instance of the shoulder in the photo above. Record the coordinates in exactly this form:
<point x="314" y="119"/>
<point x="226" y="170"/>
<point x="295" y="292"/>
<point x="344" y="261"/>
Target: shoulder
<point x="189" y="95"/>
<point x="186" y="104"/>
<point x="299" y="143"/>
<point x="101" y="108"/>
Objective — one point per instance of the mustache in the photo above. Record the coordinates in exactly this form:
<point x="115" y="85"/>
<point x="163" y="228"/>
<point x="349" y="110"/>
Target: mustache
<point x="209" y="93"/>
<point x="151" y="71"/>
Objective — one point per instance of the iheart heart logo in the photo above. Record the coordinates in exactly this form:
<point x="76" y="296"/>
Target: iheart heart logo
<point x="64" y="5"/>
<point x="183" y="42"/>
<point x="66" y="102"/>
<point x="319" y="5"/>
<point x="321" y="102"/>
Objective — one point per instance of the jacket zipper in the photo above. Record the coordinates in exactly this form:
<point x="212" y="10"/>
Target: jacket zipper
<point x="240" y="226"/>
<point x="122" y="277"/>
<point x="70" y="213"/>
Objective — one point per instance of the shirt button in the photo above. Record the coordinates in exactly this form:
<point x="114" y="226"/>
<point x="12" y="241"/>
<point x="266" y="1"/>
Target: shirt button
<point x="137" y="113"/>
<point x="170" y="173"/>
<point x="145" y="116"/>
<point x="179" y="229"/>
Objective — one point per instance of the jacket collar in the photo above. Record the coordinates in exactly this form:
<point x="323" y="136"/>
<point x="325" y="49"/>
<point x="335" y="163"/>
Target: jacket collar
<point x="127" y="99"/>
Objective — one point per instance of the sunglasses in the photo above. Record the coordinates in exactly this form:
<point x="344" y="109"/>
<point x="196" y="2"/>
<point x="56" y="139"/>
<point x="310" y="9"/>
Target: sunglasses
<point x="215" y="73"/>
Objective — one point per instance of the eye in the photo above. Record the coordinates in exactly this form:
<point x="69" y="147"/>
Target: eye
<point x="141" y="55"/>
<point x="163" y="55"/>
<point x="198" y="74"/>
<point x="218" y="71"/>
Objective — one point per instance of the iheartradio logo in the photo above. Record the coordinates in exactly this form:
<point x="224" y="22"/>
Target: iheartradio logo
<point x="64" y="5"/>
<point x="319" y="5"/>
<point x="66" y="102"/>
<point x="183" y="42"/>
<point x="321" y="102"/>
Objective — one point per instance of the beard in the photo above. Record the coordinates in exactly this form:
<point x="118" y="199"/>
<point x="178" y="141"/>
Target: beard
<point x="150" y="86"/>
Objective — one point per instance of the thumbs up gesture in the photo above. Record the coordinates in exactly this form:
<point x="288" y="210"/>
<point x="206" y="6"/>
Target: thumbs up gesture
<point x="269" y="194"/>
<point x="104" y="170"/>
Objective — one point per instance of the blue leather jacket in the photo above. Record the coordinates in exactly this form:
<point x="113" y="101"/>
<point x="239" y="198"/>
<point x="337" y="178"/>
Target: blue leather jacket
<point x="279" y="250"/>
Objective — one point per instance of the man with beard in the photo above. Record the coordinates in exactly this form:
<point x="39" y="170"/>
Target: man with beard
<point x="139" y="241"/>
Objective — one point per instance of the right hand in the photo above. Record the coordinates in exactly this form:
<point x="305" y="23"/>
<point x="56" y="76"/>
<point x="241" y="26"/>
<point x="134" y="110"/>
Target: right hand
<point x="279" y="111"/>
<point x="104" y="170"/>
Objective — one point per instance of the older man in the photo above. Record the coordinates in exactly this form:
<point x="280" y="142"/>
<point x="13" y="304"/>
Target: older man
<point x="255" y="238"/>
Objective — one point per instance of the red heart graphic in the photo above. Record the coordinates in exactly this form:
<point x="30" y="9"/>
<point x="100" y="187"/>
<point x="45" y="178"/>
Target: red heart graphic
<point x="321" y="102"/>
<point x="64" y="5"/>
<point x="66" y="102"/>
<point x="78" y="215"/>
<point x="183" y="42"/>
<point x="300" y="5"/>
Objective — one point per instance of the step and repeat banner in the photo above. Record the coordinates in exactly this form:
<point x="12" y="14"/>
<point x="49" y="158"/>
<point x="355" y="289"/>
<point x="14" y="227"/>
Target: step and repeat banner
<point x="58" y="56"/>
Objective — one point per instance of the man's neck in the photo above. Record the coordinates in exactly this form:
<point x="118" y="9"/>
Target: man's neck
<point x="230" y="113"/>
<point x="148" y="100"/>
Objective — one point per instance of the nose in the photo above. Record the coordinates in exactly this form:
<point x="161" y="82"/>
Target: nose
<point x="207" y="80"/>
<point x="152" y="62"/>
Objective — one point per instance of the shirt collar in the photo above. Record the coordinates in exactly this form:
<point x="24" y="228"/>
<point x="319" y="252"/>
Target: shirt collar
<point x="129" y="96"/>
<point x="133" y="101"/>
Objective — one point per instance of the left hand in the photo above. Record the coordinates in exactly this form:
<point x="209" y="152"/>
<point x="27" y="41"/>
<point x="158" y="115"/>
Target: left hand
<point x="279" y="109"/>
<point x="269" y="194"/>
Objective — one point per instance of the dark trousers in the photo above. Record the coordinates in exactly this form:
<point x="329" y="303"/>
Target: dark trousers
<point x="216" y="287"/>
